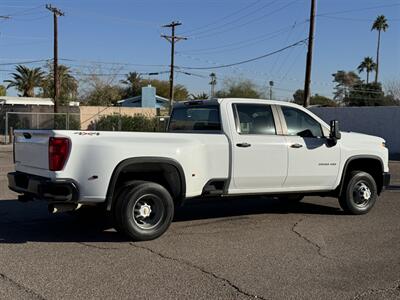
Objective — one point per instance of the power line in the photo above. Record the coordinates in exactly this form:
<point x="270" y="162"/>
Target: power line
<point x="247" y="60"/>
<point x="237" y="19"/>
<point x="24" y="62"/>
<point x="248" y="22"/>
<point x="357" y="9"/>
<point x="111" y="63"/>
<point x="223" y="18"/>
<point x="243" y="43"/>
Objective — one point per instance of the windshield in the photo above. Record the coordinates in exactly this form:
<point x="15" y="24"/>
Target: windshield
<point x="195" y="119"/>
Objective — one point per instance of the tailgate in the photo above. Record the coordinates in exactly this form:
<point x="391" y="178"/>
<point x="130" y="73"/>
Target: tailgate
<point x="31" y="148"/>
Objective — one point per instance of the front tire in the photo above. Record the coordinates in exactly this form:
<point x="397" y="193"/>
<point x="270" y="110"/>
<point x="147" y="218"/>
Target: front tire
<point x="360" y="193"/>
<point x="143" y="210"/>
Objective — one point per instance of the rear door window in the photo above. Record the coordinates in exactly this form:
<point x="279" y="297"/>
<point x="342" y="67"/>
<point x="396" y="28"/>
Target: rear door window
<point x="254" y="119"/>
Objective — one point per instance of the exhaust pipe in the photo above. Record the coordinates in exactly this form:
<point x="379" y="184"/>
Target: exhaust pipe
<point x="63" y="207"/>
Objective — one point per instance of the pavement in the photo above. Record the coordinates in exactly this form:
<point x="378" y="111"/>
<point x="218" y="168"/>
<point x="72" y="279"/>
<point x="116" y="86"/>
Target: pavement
<point x="215" y="249"/>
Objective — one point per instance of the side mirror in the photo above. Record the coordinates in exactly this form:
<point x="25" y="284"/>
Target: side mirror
<point x="334" y="134"/>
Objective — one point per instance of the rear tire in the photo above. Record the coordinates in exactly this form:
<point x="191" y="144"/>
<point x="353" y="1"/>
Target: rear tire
<point x="143" y="210"/>
<point x="359" y="194"/>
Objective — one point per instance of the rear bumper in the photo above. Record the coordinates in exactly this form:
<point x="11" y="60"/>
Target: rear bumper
<point x="33" y="186"/>
<point x="386" y="179"/>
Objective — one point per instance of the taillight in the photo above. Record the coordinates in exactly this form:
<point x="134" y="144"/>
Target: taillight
<point x="58" y="153"/>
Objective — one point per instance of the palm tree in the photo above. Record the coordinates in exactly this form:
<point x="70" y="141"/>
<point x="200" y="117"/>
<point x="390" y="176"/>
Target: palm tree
<point x="200" y="96"/>
<point x="134" y="82"/>
<point x="368" y="65"/>
<point x="380" y="24"/>
<point x="25" y="80"/>
<point x="68" y="84"/>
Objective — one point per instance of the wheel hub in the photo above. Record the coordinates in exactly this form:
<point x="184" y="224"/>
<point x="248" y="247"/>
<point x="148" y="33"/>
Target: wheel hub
<point x="145" y="210"/>
<point x="364" y="192"/>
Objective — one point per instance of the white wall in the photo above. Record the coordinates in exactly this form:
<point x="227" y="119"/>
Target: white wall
<point x="383" y="121"/>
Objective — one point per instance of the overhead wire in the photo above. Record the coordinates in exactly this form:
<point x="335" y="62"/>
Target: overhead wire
<point x="247" y="60"/>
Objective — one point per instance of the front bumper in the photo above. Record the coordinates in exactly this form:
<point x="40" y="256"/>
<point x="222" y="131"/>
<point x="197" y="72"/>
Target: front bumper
<point x="36" y="187"/>
<point x="386" y="179"/>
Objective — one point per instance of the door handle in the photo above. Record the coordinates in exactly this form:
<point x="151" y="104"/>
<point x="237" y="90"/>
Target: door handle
<point x="296" y="145"/>
<point x="243" y="145"/>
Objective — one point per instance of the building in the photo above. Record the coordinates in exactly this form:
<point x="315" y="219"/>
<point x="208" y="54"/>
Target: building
<point x="148" y="99"/>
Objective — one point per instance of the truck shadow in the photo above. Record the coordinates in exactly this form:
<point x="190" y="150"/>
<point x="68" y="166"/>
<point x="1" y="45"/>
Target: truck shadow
<point x="30" y="222"/>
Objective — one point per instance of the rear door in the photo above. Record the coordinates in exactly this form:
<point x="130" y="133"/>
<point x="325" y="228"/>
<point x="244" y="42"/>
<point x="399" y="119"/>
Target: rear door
<point x="259" y="153"/>
<point x="313" y="163"/>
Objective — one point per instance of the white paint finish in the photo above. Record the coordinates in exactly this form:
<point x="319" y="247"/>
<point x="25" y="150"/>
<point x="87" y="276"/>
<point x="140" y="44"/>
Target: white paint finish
<point x="203" y="157"/>
<point x="382" y="121"/>
<point x="313" y="164"/>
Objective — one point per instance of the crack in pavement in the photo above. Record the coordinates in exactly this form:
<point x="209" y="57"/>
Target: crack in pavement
<point x="298" y="233"/>
<point x="204" y="271"/>
<point x="21" y="287"/>
<point x="370" y="292"/>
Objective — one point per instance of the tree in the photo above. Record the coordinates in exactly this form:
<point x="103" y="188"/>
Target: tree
<point x="298" y="98"/>
<point x="200" y="96"/>
<point x="368" y="65"/>
<point x="68" y="84"/>
<point x="162" y="89"/>
<point x="25" y="80"/>
<point x="371" y="94"/>
<point x="380" y="24"/>
<point x="344" y="81"/>
<point x="134" y="83"/>
<point x="104" y="95"/>
<point x="239" y="88"/>
<point x="3" y="90"/>
<point x="393" y="89"/>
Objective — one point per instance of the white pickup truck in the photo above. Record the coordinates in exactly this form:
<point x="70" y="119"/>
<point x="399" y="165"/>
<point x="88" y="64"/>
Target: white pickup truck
<point x="223" y="147"/>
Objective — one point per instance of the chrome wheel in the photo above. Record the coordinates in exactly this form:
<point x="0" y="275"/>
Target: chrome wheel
<point x="147" y="211"/>
<point x="361" y="194"/>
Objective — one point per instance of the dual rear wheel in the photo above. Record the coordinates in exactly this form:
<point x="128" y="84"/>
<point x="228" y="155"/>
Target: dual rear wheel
<point x="143" y="210"/>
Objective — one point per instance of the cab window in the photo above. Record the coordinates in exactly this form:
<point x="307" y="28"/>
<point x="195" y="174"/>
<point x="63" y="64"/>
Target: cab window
<point x="301" y="124"/>
<point x="254" y="119"/>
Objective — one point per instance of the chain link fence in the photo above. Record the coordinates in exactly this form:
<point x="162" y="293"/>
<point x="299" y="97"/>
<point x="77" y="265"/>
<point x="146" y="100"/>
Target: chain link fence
<point x="10" y="121"/>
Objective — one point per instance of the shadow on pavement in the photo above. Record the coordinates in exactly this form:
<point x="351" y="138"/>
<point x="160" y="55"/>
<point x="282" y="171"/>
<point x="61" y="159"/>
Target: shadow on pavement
<point x="18" y="225"/>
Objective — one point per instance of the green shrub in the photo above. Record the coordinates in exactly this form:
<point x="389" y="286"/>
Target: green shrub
<point x="118" y="122"/>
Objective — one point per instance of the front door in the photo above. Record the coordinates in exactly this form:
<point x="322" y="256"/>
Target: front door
<point x="313" y="163"/>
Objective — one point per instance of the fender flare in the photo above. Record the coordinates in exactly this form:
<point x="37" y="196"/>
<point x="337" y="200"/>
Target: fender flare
<point x="348" y="161"/>
<point x="139" y="160"/>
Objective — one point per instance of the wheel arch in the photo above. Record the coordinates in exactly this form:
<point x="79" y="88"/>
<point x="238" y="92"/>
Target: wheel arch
<point x="374" y="168"/>
<point x="176" y="183"/>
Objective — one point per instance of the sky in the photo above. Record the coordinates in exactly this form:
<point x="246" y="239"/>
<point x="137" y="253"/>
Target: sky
<point x="116" y="37"/>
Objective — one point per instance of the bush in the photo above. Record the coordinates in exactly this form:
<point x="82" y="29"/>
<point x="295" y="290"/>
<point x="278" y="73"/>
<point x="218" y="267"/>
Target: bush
<point x="118" y="122"/>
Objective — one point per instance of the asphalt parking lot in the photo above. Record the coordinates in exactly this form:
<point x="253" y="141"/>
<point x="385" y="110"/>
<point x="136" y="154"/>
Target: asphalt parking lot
<point x="216" y="249"/>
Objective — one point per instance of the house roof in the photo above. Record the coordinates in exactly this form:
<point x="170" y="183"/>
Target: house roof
<point x="139" y="98"/>
<point x="9" y="100"/>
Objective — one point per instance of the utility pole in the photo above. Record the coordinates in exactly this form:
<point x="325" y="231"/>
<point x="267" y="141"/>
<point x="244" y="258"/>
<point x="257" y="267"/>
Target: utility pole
<point x="213" y="83"/>
<point x="172" y="39"/>
<point x="56" y="13"/>
<point x="307" y="82"/>
<point x="271" y="84"/>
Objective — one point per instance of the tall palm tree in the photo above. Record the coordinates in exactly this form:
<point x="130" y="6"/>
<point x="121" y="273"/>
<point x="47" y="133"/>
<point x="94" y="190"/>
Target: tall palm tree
<point x="380" y="24"/>
<point x="134" y="82"/>
<point x="368" y="65"/>
<point x="68" y="84"/>
<point x="25" y="80"/>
